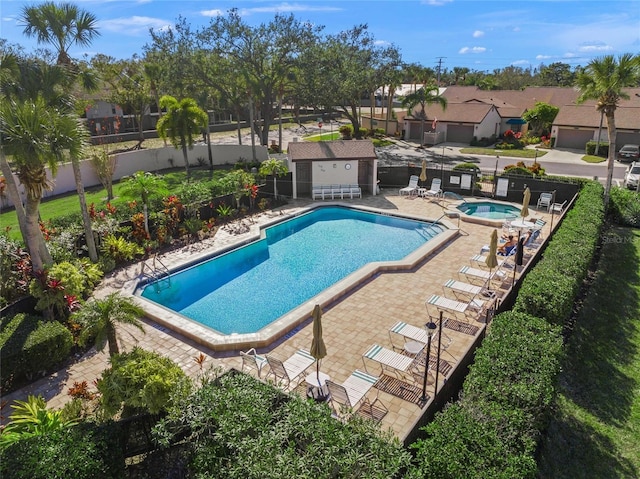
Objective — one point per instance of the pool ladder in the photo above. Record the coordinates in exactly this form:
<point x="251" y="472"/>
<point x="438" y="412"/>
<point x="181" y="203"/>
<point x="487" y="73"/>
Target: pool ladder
<point x="159" y="274"/>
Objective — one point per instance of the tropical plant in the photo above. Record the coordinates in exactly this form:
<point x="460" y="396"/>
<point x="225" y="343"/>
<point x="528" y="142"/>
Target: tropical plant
<point x="541" y="117"/>
<point x="145" y="186"/>
<point x="603" y="80"/>
<point x="31" y="418"/>
<point x="100" y="317"/>
<point x="426" y="95"/>
<point x="183" y="120"/>
<point x="105" y="165"/>
<point x="61" y="25"/>
<point x="139" y="380"/>
<point x="274" y="167"/>
<point x="119" y="249"/>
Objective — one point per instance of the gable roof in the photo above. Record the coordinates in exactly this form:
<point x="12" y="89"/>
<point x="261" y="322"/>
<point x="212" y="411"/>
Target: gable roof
<point x="331" y="150"/>
<point x="627" y="118"/>
<point x="458" y="112"/>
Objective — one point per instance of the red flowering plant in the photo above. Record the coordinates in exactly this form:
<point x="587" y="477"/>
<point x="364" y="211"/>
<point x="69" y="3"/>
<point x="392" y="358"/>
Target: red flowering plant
<point x="171" y="214"/>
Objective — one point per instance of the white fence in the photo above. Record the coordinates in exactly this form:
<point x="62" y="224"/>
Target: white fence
<point x="152" y="160"/>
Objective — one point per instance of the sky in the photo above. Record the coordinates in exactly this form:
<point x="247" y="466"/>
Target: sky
<point x="476" y="34"/>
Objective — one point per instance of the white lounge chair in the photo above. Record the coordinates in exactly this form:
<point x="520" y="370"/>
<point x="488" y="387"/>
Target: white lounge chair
<point x="348" y="397"/>
<point x="408" y="331"/>
<point x="290" y="370"/>
<point x="462" y="287"/>
<point x="435" y="189"/>
<point x="412" y="187"/>
<point x="397" y="363"/>
<point x="545" y="200"/>
<point x="446" y="304"/>
<point x="252" y="360"/>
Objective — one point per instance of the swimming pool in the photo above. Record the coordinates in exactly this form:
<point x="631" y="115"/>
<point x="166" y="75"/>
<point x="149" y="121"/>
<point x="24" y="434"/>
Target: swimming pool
<point x="248" y="288"/>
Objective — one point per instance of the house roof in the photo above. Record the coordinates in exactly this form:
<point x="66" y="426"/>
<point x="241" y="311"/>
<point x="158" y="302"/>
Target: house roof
<point x="587" y="116"/>
<point x="458" y="112"/>
<point x="331" y="150"/>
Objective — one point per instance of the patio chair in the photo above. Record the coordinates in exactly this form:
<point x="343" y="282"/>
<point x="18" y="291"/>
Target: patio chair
<point x="252" y="360"/>
<point x="545" y="200"/>
<point x="414" y="333"/>
<point x="435" y="189"/>
<point x="290" y="370"/>
<point x="460" y="287"/>
<point x="399" y="364"/>
<point x="454" y="306"/>
<point x="350" y="396"/>
<point x="557" y="207"/>
<point x="412" y="187"/>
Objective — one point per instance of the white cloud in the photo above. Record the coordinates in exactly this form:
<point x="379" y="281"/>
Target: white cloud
<point x="478" y="34"/>
<point x="595" y="47"/>
<point x="520" y="62"/>
<point x="133" y="26"/>
<point x="437" y="3"/>
<point x="464" y="50"/>
<point x="287" y="8"/>
<point x="381" y="43"/>
<point x="211" y="13"/>
<point x="543" y="57"/>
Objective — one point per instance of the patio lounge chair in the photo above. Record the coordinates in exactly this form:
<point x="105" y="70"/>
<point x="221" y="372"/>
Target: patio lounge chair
<point x="252" y="360"/>
<point x="435" y="189"/>
<point x="397" y="363"/>
<point x="408" y="331"/>
<point x="290" y="370"/>
<point x="348" y="397"/>
<point x="412" y="187"/>
<point x="545" y="200"/>
<point x="446" y="304"/>
<point x="485" y="276"/>
<point x="462" y="287"/>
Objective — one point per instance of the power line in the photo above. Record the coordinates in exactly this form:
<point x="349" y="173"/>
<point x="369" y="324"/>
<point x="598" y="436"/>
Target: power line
<point x="439" y="67"/>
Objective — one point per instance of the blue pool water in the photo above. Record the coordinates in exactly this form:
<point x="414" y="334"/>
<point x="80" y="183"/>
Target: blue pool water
<point x="246" y="289"/>
<point x="489" y="209"/>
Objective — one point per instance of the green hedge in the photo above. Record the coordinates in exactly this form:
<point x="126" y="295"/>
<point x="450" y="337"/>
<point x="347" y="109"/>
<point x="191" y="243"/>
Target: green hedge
<point x="603" y="149"/>
<point x="85" y="451"/>
<point x="493" y="430"/>
<point x="242" y="428"/>
<point x="624" y="207"/>
<point x="549" y="289"/>
<point x="29" y="344"/>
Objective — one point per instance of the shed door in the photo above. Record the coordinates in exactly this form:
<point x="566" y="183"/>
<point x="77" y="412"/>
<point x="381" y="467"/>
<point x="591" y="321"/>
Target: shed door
<point x="303" y="178"/>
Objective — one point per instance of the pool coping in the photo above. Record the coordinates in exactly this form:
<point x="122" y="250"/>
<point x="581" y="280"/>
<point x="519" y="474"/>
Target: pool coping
<point x="453" y="211"/>
<point x="285" y="324"/>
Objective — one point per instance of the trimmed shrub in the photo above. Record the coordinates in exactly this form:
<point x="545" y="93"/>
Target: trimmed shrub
<point x="624" y="207"/>
<point x="549" y="290"/>
<point x="493" y="430"/>
<point x="85" y="451"/>
<point x="603" y="149"/>
<point x="29" y="345"/>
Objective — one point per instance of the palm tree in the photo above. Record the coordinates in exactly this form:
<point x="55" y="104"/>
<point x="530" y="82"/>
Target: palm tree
<point x="603" y="80"/>
<point x="37" y="136"/>
<point x="183" y="120"/>
<point x="426" y="95"/>
<point x="144" y="185"/>
<point x="60" y="25"/>
<point x="101" y="316"/>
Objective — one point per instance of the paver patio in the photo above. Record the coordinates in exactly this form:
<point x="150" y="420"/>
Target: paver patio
<point x="351" y="325"/>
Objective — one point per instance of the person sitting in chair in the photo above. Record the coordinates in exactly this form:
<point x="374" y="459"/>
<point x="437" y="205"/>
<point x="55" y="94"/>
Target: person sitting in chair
<point x="506" y="248"/>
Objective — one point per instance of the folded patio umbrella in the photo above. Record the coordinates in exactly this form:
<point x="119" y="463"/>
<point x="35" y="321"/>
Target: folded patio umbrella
<point x="318" y="349"/>
<point x="423" y="173"/>
<point x="524" y="212"/>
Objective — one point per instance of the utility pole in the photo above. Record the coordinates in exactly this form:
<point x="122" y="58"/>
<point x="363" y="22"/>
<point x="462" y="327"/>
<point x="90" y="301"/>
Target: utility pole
<point x="439" y="68"/>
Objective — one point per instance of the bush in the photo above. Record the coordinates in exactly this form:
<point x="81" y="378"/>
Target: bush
<point x="119" y="249"/>
<point x="139" y="380"/>
<point x="603" y="149"/>
<point x="346" y="131"/>
<point x="549" y="290"/>
<point x="514" y="170"/>
<point x="624" y="207"/>
<point x="493" y="430"/>
<point x="85" y="451"/>
<point x="472" y="167"/>
<point x="15" y="268"/>
<point x="29" y="345"/>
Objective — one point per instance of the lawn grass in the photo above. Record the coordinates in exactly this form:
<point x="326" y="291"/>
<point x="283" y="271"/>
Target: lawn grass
<point x="526" y="153"/>
<point x="595" y="430"/>
<point x="593" y="159"/>
<point x="324" y="137"/>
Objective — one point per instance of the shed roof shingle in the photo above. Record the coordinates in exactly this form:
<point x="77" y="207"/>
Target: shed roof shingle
<point x="331" y="150"/>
